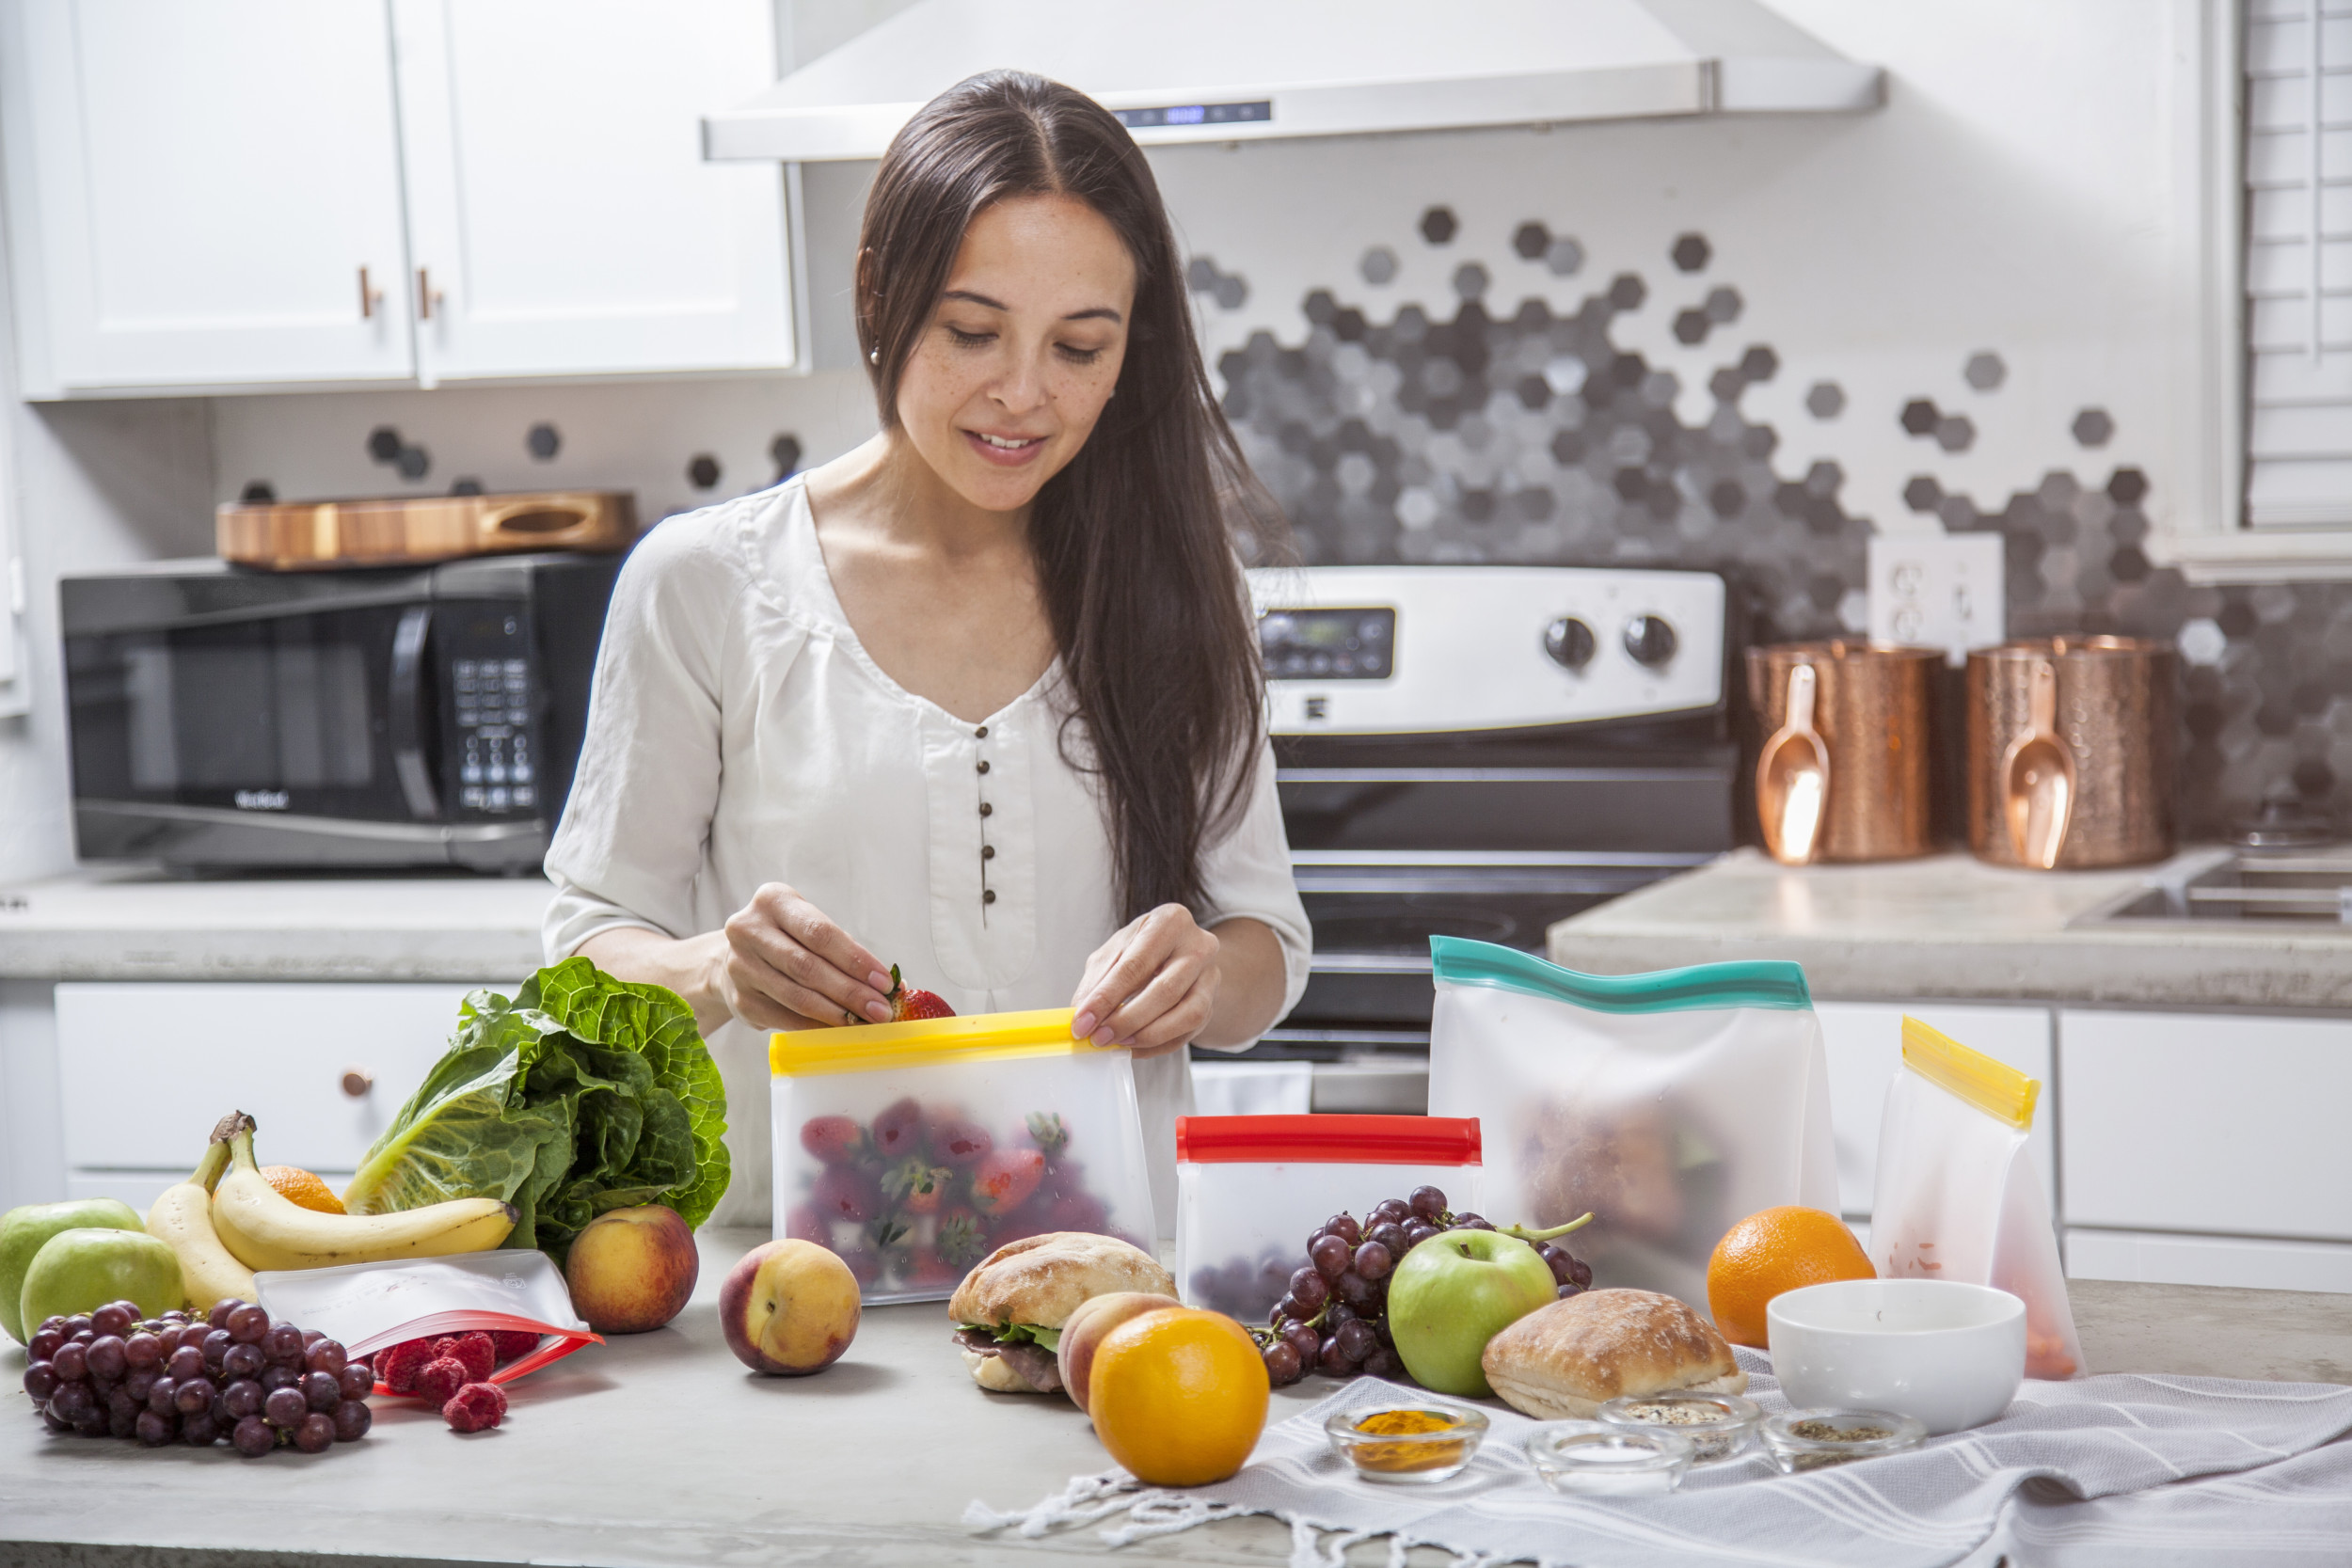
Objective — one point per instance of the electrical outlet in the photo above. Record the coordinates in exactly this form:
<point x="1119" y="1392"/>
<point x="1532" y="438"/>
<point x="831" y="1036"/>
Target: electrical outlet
<point x="1937" y="591"/>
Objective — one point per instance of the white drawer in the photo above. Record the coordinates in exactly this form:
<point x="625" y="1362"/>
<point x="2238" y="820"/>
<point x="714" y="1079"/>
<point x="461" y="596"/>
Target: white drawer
<point x="2241" y="1260"/>
<point x="145" y="1070"/>
<point x="2213" y="1123"/>
<point x="1865" y="1044"/>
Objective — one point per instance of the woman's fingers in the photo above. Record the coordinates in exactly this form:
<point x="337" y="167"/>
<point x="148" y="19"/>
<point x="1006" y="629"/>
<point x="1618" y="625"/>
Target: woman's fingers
<point x="796" y="955"/>
<point x="1160" y="989"/>
<point x="1141" y="950"/>
<point x="766" y="998"/>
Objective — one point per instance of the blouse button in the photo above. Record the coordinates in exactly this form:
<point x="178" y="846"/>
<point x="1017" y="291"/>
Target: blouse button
<point x="986" y="808"/>
<point x="983" y="765"/>
<point x="981" y="733"/>
<point x="988" y="896"/>
<point x="988" y="851"/>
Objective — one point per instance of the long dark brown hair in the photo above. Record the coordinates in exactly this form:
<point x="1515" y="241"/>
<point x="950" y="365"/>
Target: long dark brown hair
<point x="1135" y="539"/>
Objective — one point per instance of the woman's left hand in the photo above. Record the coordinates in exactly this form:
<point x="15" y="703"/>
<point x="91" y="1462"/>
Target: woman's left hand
<point x="1153" y="986"/>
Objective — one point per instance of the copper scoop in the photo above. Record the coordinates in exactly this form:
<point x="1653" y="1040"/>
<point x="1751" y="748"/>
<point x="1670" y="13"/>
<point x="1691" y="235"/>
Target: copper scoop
<point x="1792" y="778"/>
<point x="2038" y="777"/>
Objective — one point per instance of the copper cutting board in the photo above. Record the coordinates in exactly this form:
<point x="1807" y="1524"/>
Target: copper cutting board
<point x="299" y="536"/>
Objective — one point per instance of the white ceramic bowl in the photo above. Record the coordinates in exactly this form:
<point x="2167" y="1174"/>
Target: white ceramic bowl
<point x="1948" y="1354"/>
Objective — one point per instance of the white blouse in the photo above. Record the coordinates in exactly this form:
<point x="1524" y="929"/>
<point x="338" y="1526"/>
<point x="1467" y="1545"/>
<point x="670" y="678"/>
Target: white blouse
<point x="738" y="734"/>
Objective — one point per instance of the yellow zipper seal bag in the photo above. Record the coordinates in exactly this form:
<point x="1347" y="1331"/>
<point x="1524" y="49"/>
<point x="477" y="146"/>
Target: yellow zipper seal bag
<point x="1997" y="1090"/>
<point x="922" y="1043"/>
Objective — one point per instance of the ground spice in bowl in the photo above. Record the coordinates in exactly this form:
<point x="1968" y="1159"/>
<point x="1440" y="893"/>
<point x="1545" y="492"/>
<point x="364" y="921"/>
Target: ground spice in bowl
<point x="1417" y="1443"/>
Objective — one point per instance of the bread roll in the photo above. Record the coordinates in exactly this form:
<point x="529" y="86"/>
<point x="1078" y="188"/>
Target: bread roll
<point x="1568" y="1359"/>
<point x="1042" y="1279"/>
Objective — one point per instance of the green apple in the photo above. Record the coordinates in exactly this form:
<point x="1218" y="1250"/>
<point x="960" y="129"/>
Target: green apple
<point x="24" y="1230"/>
<point x="79" y="1271"/>
<point x="1452" y="1295"/>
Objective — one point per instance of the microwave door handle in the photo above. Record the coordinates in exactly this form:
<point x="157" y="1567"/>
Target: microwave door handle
<point x="407" y="713"/>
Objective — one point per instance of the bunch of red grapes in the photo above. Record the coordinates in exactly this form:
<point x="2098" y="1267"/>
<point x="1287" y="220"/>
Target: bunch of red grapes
<point x="1334" y="1318"/>
<point x="196" y="1380"/>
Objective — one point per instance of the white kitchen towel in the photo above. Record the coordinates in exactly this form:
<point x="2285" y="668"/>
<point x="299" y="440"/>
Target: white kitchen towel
<point x="2078" y="1475"/>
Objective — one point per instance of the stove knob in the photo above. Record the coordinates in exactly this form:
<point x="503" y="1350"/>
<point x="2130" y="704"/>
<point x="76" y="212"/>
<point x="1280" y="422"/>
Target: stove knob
<point x="1570" y="643"/>
<point x="1649" y="640"/>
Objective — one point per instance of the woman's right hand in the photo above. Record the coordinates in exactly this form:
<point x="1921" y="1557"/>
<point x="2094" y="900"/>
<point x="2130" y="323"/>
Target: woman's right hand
<point x="786" y="966"/>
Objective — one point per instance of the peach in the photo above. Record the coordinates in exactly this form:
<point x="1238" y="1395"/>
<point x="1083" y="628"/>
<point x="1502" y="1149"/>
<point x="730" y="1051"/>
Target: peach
<point x="1084" y="1329"/>
<point x="632" y="1269"/>
<point x="788" y="1308"/>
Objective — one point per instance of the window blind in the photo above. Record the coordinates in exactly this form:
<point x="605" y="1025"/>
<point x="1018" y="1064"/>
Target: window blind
<point x="2298" y="262"/>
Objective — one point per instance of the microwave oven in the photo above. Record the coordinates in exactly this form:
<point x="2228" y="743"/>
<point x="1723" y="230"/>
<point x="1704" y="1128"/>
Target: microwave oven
<point x="224" y="719"/>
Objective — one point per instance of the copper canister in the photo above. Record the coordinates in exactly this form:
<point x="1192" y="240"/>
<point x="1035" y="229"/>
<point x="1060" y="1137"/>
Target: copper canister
<point x="1871" y="707"/>
<point x="2115" y="715"/>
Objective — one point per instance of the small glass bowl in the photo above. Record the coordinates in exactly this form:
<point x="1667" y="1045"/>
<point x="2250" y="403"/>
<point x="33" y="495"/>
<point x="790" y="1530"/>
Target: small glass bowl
<point x="1720" y="1426"/>
<point x="1408" y="1458"/>
<point x="1599" y="1459"/>
<point x="1800" y="1440"/>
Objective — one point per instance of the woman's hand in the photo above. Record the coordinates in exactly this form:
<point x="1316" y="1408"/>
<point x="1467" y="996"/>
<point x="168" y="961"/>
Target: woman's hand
<point x="1153" y="986"/>
<point x="786" y="966"/>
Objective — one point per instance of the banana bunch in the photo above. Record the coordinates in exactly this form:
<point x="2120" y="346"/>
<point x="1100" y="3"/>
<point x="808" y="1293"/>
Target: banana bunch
<point x="182" y="1219"/>
<point x="262" y="1229"/>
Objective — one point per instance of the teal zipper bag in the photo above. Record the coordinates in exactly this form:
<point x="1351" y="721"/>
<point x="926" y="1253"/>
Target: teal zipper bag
<point x="1749" y="983"/>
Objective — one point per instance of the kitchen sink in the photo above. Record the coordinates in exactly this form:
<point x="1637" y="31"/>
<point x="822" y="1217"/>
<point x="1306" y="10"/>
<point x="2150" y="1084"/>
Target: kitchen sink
<point x="2231" y="888"/>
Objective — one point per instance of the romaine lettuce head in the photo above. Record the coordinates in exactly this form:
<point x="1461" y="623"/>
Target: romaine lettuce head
<point x="581" y="1095"/>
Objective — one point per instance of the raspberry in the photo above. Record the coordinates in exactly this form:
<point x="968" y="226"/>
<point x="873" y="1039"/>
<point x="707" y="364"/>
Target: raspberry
<point x="399" y="1366"/>
<point x="511" y="1343"/>
<point x="440" y="1378"/>
<point x="476" y="1407"/>
<point x="474" y="1352"/>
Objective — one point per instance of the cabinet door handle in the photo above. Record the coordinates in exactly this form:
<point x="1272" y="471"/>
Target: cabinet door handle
<point x="427" y="297"/>
<point x="357" y="1081"/>
<point x="369" y="297"/>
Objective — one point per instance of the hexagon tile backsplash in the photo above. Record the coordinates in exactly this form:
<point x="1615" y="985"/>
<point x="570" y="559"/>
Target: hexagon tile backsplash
<point x="1509" y="432"/>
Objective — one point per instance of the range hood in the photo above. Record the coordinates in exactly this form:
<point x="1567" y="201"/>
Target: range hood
<point x="1193" y="71"/>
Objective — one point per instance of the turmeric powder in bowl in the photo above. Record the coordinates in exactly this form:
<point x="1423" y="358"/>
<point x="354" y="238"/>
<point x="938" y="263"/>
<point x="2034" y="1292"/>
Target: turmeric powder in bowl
<point x="1411" y="1443"/>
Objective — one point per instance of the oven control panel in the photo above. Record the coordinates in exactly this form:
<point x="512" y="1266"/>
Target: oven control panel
<point x="1401" y="650"/>
<point x="490" y="739"/>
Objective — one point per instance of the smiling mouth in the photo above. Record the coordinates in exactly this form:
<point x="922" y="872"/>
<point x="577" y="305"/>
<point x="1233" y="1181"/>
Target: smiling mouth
<point x="1004" y="449"/>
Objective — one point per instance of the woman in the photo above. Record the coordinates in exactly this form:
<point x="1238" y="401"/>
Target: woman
<point x="981" y="698"/>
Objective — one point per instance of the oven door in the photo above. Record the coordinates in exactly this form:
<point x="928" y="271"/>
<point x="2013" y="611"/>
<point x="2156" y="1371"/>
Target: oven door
<point x="210" y="738"/>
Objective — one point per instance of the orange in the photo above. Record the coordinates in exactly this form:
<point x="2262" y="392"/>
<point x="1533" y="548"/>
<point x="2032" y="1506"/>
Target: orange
<point x="1177" y="1396"/>
<point x="1775" y="1250"/>
<point x="300" y="1187"/>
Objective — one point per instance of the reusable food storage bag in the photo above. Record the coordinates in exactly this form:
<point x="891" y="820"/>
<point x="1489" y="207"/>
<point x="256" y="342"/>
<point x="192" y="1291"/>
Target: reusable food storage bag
<point x="1671" y="1104"/>
<point x="1251" y="1189"/>
<point x="1958" y="1195"/>
<point x="913" y="1150"/>
<point x="372" y="1307"/>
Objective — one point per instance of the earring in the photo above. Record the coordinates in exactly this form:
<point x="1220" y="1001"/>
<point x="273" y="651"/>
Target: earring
<point x="873" y="355"/>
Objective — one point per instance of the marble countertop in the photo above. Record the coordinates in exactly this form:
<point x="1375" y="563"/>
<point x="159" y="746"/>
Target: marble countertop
<point x="658" y="1451"/>
<point x="1950" y="925"/>
<point x="131" y="925"/>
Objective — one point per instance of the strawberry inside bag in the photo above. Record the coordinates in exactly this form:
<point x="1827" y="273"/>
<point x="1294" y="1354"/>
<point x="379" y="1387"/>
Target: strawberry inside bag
<point x="372" y="1308"/>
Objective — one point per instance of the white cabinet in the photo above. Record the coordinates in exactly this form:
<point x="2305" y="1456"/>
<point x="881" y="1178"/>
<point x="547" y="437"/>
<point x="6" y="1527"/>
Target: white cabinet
<point x="560" y="218"/>
<point x="2248" y="1262"/>
<point x="2219" y="1122"/>
<point x="146" y="1070"/>
<point x="1865" y="1044"/>
<point x="269" y="194"/>
<point x="196" y="193"/>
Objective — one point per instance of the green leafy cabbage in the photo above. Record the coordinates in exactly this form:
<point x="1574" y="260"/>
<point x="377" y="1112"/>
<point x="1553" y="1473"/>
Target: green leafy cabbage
<point x="581" y="1095"/>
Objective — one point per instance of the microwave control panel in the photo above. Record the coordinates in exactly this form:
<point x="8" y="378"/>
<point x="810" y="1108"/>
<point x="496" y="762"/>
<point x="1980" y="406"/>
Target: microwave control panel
<point x="492" y="760"/>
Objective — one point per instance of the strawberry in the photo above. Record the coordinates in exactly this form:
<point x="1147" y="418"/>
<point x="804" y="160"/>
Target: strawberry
<point x="899" y="1131"/>
<point x="927" y="1266"/>
<point x="907" y="1004"/>
<point x="1048" y="1132"/>
<point x="1006" y="1178"/>
<point x="842" y="1194"/>
<point x="916" y="1187"/>
<point x="807" y="1224"/>
<point x="832" y="1139"/>
<point x="959" y="1240"/>
<point x="960" y="1143"/>
<point x="1076" y="1212"/>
